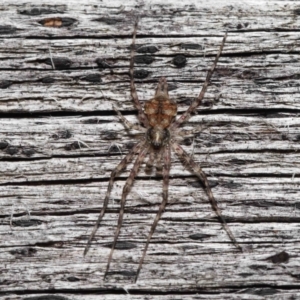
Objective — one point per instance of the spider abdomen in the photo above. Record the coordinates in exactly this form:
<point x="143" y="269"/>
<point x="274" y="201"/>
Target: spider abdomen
<point x="160" y="111"/>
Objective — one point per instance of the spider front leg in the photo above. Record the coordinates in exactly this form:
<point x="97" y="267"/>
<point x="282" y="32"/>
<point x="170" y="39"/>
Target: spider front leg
<point x="126" y="189"/>
<point x="166" y="172"/>
<point x="199" y="173"/>
<point x="124" y="162"/>
<point x="185" y="133"/>
<point x="185" y="116"/>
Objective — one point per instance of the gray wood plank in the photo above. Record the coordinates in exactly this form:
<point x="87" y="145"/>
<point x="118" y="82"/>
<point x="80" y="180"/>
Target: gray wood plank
<point x="60" y="139"/>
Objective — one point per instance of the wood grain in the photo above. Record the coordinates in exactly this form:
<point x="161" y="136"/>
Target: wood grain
<point x="60" y="139"/>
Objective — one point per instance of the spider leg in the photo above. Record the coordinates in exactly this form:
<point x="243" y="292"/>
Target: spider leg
<point x="126" y="189"/>
<point x="199" y="173"/>
<point x="142" y="117"/>
<point x="185" y="133"/>
<point x="128" y="125"/>
<point x="166" y="172"/>
<point x="137" y="148"/>
<point x="185" y="116"/>
<point x="150" y="161"/>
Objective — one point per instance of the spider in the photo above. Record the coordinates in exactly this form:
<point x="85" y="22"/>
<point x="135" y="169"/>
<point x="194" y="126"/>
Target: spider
<point x="160" y="130"/>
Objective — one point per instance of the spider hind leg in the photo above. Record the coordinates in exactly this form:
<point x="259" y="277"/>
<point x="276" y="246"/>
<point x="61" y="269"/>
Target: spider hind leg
<point x="186" y="115"/>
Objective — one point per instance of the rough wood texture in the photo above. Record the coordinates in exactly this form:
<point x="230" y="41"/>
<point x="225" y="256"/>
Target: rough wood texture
<point x="59" y="140"/>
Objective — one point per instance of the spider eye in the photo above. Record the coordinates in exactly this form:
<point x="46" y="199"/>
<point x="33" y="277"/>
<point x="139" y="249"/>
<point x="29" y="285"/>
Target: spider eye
<point x="157" y="137"/>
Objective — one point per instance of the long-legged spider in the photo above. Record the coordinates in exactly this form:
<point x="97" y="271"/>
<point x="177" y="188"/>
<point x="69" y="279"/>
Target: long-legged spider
<point x="160" y="130"/>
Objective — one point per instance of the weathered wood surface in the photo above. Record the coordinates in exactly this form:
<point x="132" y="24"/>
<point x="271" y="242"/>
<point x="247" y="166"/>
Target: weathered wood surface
<point x="60" y="139"/>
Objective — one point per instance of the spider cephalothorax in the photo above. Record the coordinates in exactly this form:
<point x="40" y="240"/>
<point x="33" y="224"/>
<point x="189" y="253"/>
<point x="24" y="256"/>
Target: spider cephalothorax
<point x="162" y="131"/>
<point x="157" y="137"/>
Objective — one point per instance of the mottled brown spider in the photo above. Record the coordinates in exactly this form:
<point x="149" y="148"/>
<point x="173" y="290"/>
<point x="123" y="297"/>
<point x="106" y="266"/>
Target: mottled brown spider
<point x="161" y="131"/>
